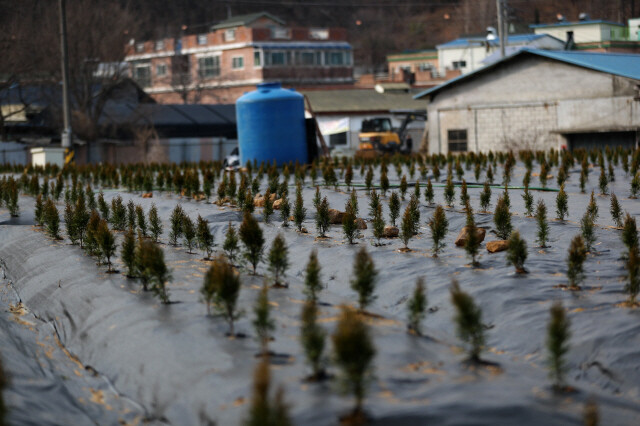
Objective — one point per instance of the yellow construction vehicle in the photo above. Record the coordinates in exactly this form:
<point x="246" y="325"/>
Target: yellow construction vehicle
<point x="377" y="135"/>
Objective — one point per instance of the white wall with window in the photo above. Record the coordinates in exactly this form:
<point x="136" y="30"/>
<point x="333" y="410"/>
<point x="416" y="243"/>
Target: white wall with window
<point x="209" y="66"/>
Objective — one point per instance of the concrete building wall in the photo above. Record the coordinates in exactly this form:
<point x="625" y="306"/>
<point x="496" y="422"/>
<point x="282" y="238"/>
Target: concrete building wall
<point x="530" y="103"/>
<point x="586" y="33"/>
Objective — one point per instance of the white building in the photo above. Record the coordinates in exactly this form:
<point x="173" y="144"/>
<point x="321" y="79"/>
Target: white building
<point x="538" y="99"/>
<point x="468" y="53"/>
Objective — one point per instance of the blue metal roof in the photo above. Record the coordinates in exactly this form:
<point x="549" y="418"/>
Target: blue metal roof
<point x="512" y="39"/>
<point x="568" y="24"/>
<point x="622" y="64"/>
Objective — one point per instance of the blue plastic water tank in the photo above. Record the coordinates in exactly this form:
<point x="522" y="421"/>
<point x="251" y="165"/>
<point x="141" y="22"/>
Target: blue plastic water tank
<point x="271" y="125"/>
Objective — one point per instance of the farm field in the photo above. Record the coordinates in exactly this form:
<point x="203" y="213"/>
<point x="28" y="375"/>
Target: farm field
<point x="83" y="344"/>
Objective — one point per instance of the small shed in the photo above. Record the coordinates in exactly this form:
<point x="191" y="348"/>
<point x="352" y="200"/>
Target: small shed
<point x="538" y="99"/>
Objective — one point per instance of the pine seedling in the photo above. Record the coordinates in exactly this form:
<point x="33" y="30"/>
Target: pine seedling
<point x="364" y="278"/>
<point x="80" y="220"/>
<point x="590" y="415"/>
<point x="353" y="353"/>
<point x="562" y="204"/>
<point x="11" y="188"/>
<point x="106" y="242"/>
<point x="517" y="252"/>
<point x="583" y="181"/>
<point x="464" y="195"/>
<point x="248" y="205"/>
<point x="152" y="269"/>
<point x="603" y="182"/>
<point x="403" y="187"/>
<point x="323" y="220"/>
<point x="52" y="219"/>
<point x="384" y="183"/>
<point x="230" y="245"/>
<point x="253" y="240"/>
<point x="527" y="197"/>
<point x="502" y="219"/>
<point x="285" y="210"/>
<point x="630" y="232"/>
<point x="635" y="186"/>
<point x="299" y="211"/>
<point x="414" y="209"/>
<point x="225" y="284"/>
<point x="353" y="203"/>
<point x="394" y="207"/>
<point x="128" y="253"/>
<point x="188" y="232"/>
<point x="406" y="227"/>
<point x="204" y="237"/>
<point x="632" y="286"/>
<point x="587" y="228"/>
<point x="91" y="243"/>
<point x="449" y="192"/>
<point x="39" y="210"/>
<point x="142" y="221"/>
<point x="439" y="226"/>
<point x="417" y="307"/>
<point x="543" y="226"/>
<point x="544" y="173"/>
<point x="436" y="171"/>
<point x="616" y="211"/>
<point x="349" y="226"/>
<point x="118" y="213"/>
<point x="416" y="190"/>
<point x="312" y="281"/>
<point x="317" y="198"/>
<point x="267" y="210"/>
<point x="374" y="202"/>
<point x="468" y="321"/>
<point x="378" y="225"/>
<point x="278" y="258"/>
<point x="575" y="262"/>
<point x="428" y="192"/>
<point x="222" y="190"/>
<point x="592" y="207"/>
<point x="155" y="225"/>
<point x="262" y="321"/>
<point x="485" y="197"/>
<point x="176" y="219"/>
<point x="490" y="176"/>
<point x="131" y="214"/>
<point x="103" y="207"/>
<point x="312" y="338"/>
<point x="472" y="243"/>
<point x="557" y="344"/>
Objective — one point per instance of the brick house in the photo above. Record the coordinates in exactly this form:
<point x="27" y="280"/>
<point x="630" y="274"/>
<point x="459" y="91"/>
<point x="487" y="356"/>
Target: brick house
<point x="220" y="65"/>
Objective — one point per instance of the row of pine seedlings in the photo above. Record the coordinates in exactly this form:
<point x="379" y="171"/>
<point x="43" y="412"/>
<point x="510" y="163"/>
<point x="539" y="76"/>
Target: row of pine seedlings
<point x="91" y="223"/>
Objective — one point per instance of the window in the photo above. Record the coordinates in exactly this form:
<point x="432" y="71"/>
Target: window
<point x="280" y="33"/>
<point x="307" y="58"/>
<point x="333" y="58"/>
<point x="319" y="33"/>
<point x="457" y="140"/>
<point x="230" y="35"/>
<point x="142" y="75"/>
<point x="425" y="66"/>
<point x="159" y="45"/>
<point x="237" y="62"/>
<point x="459" y="65"/>
<point x="256" y="59"/>
<point x="338" y="139"/>
<point x="161" y="70"/>
<point x="209" y="66"/>
<point x="139" y="47"/>
<point x="202" y="39"/>
<point x="277" y="58"/>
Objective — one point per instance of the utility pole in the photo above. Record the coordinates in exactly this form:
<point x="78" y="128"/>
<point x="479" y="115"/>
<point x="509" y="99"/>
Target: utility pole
<point x="66" y="112"/>
<point x="500" y="8"/>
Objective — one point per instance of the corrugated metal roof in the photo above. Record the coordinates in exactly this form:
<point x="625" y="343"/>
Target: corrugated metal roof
<point x="359" y="100"/>
<point x="512" y="39"/>
<point x="570" y="24"/>
<point x="621" y="64"/>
